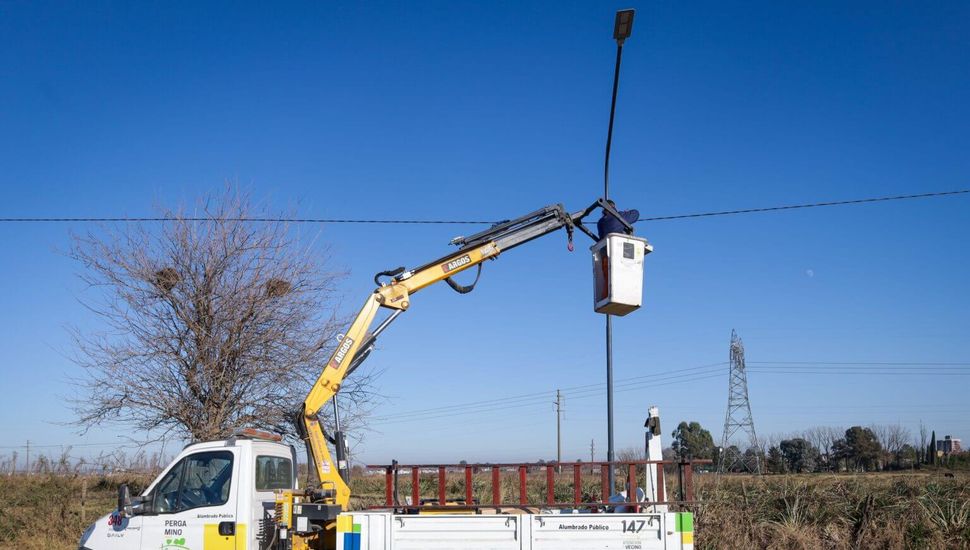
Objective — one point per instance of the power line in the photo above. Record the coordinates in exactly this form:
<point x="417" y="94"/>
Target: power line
<point x="540" y="397"/>
<point x="498" y="405"/>
<point x="254" y="220"/>
<point x="837" y="368"/>
<point x="861" y="363"/>
<point x="484" y="409"/>
<point x="650" y="385"/>
<point x="539" y="406"/>
<point x="807" y="205"/>
<point x="659" y="381"/>
<point x="68" y="219"/>
<point x="865" y="372"/>
<point x="72" y="445"/>
<point x="668" y="377"/>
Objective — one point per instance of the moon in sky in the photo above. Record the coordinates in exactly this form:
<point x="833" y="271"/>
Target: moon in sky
<point x="810" y="273"/>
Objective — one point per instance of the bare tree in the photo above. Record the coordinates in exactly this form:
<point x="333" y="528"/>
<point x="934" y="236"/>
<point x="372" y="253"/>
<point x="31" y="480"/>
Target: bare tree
<point x="631" y="454"/>
<point x="835" y="433"/>
<point x="211" y="322"/>
<point x="10" y="464"/>
<point x="897" y="438"/>
<point x="892" y="437"/>
<point x="823" y="438"/>
<point x="818" y="437"/>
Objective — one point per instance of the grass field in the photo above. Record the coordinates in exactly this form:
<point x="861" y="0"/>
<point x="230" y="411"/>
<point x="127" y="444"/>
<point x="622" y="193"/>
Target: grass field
<point x="51" y="511"/>
<point x="882" y="510"/>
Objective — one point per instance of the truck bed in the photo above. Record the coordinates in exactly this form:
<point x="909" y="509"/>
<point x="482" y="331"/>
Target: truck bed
<point x="378" y="530"/>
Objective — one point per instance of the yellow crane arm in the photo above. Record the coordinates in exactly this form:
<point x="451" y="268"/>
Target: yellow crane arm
<point x="395" y="294"/>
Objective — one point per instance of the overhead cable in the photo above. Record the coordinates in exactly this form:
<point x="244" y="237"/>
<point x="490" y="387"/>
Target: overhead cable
<point x="807" y="205"/>
<point x="91" y="219"/>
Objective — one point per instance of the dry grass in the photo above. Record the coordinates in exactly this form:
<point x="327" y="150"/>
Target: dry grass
<point x="908" y="510"/>
<point x="905" y="510"/>
<point x="47" y="511"/>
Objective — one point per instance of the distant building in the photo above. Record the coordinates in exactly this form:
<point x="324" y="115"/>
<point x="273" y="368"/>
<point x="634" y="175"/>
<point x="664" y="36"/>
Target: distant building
<point x="948" y="445"/>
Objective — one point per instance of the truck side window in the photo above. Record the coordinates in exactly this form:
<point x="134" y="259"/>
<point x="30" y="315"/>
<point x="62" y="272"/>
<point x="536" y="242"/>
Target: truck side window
<point x="201" y="479"/>
<point x="273" y="472"/>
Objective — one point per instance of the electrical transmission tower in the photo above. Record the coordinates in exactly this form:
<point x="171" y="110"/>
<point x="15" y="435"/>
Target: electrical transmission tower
<point x="738" y="418"/>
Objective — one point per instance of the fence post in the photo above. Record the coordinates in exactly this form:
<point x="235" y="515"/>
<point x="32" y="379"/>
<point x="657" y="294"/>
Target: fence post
<point x="551" y="484"/>
<point x="84" y="496"/>
<point x="388" y="486"/>
<point x="442" y="489"/>
<point x="577" y="483"/>
<point x="631" y="480"/>
<point x="680" y="480"/>
<point x="496" y="486"/>
<point x="415" y="486"/>
<point x="689" y="482"/>
<point x="469" y="494"/>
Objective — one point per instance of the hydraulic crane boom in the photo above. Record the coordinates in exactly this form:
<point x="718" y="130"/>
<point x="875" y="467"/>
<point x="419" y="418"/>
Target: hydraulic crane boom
<point x="394" y="293"/>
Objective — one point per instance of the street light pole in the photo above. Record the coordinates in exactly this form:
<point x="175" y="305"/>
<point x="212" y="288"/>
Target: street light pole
<point x="609" y="400"/>
<point x="622" y="27"/>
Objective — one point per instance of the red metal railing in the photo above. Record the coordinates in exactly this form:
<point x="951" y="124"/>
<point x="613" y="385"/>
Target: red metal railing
<point x="625" y="470"/>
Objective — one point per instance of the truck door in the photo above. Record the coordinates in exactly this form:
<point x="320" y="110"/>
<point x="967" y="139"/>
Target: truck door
<point x="272" y="472"/>
<point x="194" y="504"/>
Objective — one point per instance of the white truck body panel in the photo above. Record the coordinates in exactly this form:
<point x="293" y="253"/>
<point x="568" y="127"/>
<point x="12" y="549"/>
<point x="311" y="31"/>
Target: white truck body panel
<point x="389" y="531"/>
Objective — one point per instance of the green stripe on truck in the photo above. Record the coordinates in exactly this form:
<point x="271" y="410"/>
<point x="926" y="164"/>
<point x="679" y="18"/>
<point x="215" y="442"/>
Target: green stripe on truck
<point x="685" y="522"/>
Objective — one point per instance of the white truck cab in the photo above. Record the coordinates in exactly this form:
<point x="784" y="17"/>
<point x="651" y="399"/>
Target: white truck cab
<point x="217" y="495"/>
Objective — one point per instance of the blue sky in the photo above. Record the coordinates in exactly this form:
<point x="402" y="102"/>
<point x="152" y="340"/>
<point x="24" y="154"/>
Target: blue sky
<point x="488" y="111"/>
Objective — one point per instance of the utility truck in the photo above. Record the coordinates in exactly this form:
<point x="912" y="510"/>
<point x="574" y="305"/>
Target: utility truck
<point x="242" y="493"/>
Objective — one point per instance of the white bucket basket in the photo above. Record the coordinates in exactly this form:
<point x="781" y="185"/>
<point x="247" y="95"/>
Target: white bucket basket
<point x="618" y="273"/>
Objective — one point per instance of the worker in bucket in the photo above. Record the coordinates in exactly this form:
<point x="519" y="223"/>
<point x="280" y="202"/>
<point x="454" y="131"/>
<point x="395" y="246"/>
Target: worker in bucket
<point x="621" y="497"/>
<point x="609" y="224"/>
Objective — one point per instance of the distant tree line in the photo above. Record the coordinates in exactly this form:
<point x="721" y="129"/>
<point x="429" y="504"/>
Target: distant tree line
<point x="822" y="449"/>
<point x="64" y="463"/>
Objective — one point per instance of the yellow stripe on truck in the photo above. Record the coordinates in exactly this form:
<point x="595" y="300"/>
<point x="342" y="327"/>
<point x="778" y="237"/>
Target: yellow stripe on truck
<point x="345" y="523"/>
<point x="212" y="540"/>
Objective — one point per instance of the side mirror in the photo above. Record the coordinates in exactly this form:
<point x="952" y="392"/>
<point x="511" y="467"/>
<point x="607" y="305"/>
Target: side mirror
<point x="129" y="506"/>
<point x="124" y="500"/>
